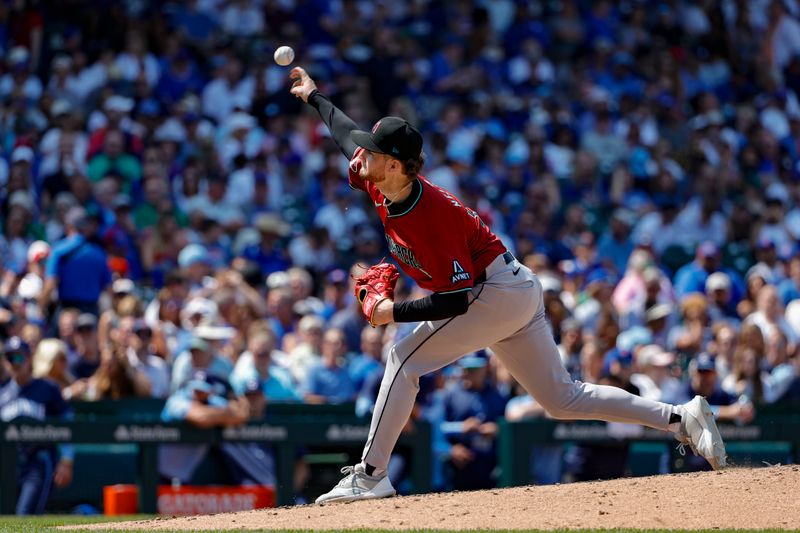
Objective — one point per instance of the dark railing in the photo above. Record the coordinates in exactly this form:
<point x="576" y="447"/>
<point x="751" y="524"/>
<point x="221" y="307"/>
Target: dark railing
<point x="516" y="439"/>
<point x="115" y="423"/>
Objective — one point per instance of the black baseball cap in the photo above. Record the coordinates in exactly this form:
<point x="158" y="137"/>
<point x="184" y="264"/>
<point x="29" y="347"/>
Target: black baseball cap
<point x="392" y="136"/>
<point x="16" y="350"/>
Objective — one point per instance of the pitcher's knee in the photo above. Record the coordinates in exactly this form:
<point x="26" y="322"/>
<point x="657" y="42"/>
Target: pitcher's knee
<point x="563" y="404"/>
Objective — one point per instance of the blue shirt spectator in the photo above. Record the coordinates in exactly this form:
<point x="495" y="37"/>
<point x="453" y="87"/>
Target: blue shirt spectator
<point x="199" y="403"/>
<point x="257" y="365"/>
<point x="77" y="267"/>
<point x="368" y="361"/>
<point x="329" y="382"/>
<point x="615" y="246"/>
<point x="471" y="408"/>
<point x="268" y="253"/>
<point x="692" y="276"/>
<point x="199" y="357"/>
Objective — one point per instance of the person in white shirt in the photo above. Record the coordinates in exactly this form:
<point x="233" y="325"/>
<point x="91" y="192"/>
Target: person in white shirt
<point x="782" y="37"/>
<point x="769" y="315"/>
<point x="136" y="62"/>
<point x="137" y="335"/>
<point x="242" y="19"/>
<point x="85" y="79"/>
<point x="653" y="378"/>
<point x="19" y="76"/>
<point x="306" y="353"/>
<point x="61" y="86"/>
<point x="340" y="216"/>
<point x="65" y="143"/>
<point x="702" y="221"/>
<point x="227" y="89"/>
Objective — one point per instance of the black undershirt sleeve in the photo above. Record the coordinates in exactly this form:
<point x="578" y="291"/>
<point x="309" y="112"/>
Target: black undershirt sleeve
<point x="338" y="123"/>
<point x="435" y="306"/>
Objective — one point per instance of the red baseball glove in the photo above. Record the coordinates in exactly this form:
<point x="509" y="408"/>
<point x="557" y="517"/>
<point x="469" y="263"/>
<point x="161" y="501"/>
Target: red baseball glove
<point x="374" y="286"/>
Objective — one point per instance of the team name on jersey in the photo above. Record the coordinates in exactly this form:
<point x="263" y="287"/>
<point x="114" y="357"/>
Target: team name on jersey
<point x="22" y="407"/>
<point x="404" y="255"/>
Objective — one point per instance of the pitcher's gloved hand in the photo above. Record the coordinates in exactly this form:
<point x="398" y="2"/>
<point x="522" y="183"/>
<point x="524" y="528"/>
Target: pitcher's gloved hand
<point x="374" y="286"/>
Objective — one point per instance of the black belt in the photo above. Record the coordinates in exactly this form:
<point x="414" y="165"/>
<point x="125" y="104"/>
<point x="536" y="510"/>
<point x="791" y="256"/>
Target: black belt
<point x="508" y="257"/>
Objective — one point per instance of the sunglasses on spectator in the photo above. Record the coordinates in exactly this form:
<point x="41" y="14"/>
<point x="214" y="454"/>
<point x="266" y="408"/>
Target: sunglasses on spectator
<point x="144" y="333"/>
<point x="16" y="358"/>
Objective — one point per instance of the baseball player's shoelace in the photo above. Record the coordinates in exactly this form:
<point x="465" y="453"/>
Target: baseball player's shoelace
<point x="349" y="477"/>
<point x="681" y="447"/>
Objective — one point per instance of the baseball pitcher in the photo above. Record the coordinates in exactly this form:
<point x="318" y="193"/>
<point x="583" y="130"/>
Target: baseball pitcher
<point x="481" y="296"/>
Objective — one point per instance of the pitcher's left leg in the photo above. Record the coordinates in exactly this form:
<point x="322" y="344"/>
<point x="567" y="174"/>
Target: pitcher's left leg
<point x="532" y="358"/>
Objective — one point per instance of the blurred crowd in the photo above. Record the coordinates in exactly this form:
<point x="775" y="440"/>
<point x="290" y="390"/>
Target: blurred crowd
<point x="175" y="224"/>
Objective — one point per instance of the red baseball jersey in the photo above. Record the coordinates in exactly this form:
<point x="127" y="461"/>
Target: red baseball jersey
<point x="438" y="241"/>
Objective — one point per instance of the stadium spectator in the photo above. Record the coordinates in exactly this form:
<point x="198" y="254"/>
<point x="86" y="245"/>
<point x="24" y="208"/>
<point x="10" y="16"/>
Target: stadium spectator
<point x="703" y="380"/>
<point x="768" y="315"/>
<point x="719" y="292"/>
<point x="40" y="467"/>
<point x="87" y="348"/>
<point x="369" y="360"/>
<point x="692" y="277"/>
<point x="137" y="337"/>
<point x="50" y="361"/>
<point x="76" y="267"/>
<point x="257" y="364"/>
<point x="199" y="403"/>
<point x="570" y="347"/>
<point x="198" y="357"/>
<point x="654" y="379"/>
<point x="546" y="458"/>
<point x="329" y="381"/>
<point x="472" y="406"/>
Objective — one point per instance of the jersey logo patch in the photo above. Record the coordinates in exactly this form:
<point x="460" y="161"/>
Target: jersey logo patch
<point x="458" y="273"/>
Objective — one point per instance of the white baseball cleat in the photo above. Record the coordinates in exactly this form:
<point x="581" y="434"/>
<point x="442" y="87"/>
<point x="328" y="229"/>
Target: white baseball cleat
<point x="700" y="433"/>
<point x="357" y="485"/>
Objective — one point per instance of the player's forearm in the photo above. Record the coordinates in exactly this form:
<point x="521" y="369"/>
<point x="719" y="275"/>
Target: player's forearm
<point x="339" y="124"/>
<point x="435" y="306"/>
<point x="208" y="417"/>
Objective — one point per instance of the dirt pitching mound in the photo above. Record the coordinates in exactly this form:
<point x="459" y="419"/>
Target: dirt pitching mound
<point x="736" y="498"/>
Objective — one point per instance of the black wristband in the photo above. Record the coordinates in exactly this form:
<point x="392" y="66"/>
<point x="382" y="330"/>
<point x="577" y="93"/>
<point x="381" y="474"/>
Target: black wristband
<point x="311" y="96"/>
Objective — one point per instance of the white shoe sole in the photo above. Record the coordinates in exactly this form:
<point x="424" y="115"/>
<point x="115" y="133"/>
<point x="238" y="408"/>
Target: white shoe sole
<point x="706" y="419"/>
<point x="381" y="490"/>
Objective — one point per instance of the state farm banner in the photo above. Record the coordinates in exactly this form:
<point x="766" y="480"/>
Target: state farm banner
<point x="193" y="500"/>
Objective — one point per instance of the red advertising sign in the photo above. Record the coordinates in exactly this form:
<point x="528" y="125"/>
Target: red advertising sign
<point x="191" y="500"/>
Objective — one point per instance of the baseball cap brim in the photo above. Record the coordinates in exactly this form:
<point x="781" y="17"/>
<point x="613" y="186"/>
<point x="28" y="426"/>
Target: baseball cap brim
<point x="364" y="140"/>
<point x="199" y="385"/>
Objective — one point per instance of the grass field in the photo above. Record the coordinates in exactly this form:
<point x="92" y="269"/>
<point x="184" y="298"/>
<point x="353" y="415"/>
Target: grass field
<point x="49" y="522"/>
<point x="25" y="524"/>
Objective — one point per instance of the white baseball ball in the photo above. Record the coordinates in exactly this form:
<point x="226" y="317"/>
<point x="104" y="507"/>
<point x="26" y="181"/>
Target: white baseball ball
<point x="284" y="55"/>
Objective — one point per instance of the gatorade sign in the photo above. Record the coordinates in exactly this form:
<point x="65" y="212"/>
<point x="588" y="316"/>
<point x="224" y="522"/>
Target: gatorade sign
<point x="192" y="500"/>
